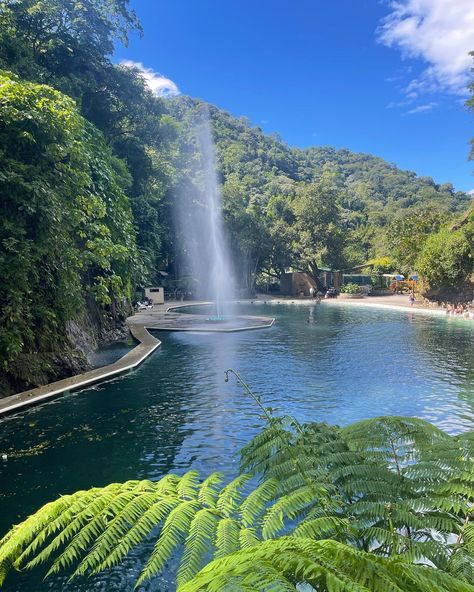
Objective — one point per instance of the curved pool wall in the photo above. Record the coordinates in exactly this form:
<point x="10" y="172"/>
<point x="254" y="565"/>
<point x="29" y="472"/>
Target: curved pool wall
<point x="176" y="412"/>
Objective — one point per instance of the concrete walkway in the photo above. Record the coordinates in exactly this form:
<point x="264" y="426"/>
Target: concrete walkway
<point x="162" y="318"/>
<point x="147" y="345"/>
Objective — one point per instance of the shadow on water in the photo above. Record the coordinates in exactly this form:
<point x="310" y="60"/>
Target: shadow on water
<point x="175" y="412"/>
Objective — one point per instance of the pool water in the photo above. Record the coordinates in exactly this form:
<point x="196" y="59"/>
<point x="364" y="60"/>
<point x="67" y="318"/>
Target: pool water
<point x="330" y="362"/>
<point x="110" y="353"/>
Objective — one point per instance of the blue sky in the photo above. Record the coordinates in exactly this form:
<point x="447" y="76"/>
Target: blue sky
<point x="378" y="77"/>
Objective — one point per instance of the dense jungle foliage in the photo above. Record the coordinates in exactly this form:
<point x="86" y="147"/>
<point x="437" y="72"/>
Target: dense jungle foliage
<point x="381" y="505"/>
<point x="92" y="163"/>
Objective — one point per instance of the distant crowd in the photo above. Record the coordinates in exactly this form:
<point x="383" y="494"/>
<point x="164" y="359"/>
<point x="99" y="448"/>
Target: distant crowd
<point x="461" y="309"/>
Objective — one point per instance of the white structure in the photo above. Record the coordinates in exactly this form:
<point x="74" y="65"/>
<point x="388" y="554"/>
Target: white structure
<point x="155" y="294"/>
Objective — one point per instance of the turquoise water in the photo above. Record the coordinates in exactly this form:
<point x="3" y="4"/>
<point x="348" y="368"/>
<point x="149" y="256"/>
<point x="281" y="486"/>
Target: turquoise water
<point x="108" y="354"/>
<point x="176" y="412"/>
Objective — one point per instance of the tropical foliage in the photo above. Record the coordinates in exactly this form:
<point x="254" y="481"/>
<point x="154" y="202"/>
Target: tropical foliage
<point x="447" y="257"/>
<point x="383" y="504"/>
<point x="350" y="288"/>
<point x="66" y="227"/>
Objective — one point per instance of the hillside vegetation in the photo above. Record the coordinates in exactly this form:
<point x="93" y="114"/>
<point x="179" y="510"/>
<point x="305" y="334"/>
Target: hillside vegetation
<point x="92" y="165"/>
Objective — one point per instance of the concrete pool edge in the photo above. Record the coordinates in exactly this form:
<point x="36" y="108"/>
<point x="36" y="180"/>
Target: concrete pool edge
<point x="146" y="346"/>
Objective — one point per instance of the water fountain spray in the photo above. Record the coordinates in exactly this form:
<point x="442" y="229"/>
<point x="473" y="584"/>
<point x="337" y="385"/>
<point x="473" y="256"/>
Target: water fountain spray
<point x="200" y="223"/>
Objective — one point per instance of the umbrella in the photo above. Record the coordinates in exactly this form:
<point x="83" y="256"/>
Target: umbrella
<point x="399" y="277"/>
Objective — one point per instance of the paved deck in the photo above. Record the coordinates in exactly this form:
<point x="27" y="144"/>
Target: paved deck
<point x="147" y="345"/>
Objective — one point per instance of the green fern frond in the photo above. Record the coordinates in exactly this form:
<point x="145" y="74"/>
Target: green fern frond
<point x="390" y="493"/>
<point x="254" y="504"/>
<point x="173" y="533"/>
<point x="248" y="538"/>
<point x="187" y="486"/>
<point x="230" y="497"/>
<point x="138" y="532"/>
<point x="227" y="537"/>
<point x="397" y="437"/>
<point x="323" y="527"/>
<point x="326" y="565"/>
<point x="209" y="490"/>
<point x="201" y="531"/>
<point x="288" y="506"/>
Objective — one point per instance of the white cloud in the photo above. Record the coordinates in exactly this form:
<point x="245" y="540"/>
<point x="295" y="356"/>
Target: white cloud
<point x="157" y="83"/>
<point x="439" y="32"/>
<point x="422" y="108"/>
<point x="471" y="192"/>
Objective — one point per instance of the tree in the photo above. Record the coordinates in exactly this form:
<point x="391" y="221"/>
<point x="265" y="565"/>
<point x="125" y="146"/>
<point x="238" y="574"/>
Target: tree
<point x="447" y="257"/>
<point x="67" y="44"/>
<point x="470" y="105"/>
<point x="317" y="234"/>
<point x="383" y="504"/>
<point x="66" y="228"/>
<point x="408" y="232"/>
<point x="62" y="42"/>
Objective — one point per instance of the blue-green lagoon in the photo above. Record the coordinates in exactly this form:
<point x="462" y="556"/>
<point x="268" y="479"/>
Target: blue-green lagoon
<point x="331" y="362"/>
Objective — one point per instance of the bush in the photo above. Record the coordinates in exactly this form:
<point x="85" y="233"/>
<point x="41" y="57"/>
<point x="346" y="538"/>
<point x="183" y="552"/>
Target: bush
<point x="446" y="258"/>
<point x="350" y="289"/>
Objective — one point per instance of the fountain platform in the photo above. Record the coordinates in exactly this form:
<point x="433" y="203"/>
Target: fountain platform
<point x="162" y="318"/>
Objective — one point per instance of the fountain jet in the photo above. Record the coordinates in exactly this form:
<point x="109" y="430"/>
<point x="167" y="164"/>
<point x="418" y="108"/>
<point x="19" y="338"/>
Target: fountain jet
<point x="200" y="230"/>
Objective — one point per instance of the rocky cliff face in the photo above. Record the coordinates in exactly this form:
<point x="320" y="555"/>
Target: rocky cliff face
<point x="84" y="334"/>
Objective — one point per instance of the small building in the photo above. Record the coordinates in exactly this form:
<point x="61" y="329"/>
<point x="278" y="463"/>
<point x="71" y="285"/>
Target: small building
<point x="157" y="294"/>
<point x="297" y="283"/>
<point x="330" y="278"/>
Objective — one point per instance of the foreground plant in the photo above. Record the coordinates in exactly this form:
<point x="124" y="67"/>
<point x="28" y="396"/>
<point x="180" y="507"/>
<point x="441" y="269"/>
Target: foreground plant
<point x="384" y="504"/>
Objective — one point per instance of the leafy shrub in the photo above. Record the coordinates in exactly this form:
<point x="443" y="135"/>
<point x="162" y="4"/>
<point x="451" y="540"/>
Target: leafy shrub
<point x="447" y="258"/>
<point x="350" y="289"/>
<point x="66" y="227"/>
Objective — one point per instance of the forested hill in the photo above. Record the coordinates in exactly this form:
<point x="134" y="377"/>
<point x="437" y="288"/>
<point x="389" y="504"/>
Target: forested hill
<point x="91" y="167"/>
<point x="287" y="206"/>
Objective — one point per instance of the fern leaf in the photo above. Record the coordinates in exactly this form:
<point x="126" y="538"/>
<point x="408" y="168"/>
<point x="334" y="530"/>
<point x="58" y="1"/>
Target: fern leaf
<point x="230" y="496"/>
<point x="198" y="544"/>
<point x="255" y="502"/>
<point x="173" y="533"/>
<point x="209" y="491"/>
<point x="149" y="520"/>
<point x="227" y="537"/>
<point x="323" y="527"/>
<point x="289" y="506"/>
